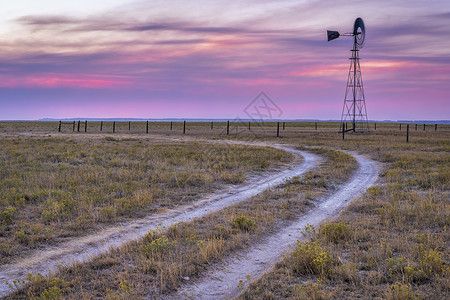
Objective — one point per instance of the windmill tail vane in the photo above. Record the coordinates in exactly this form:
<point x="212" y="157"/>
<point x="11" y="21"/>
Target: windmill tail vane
<point x="332" y="35"/>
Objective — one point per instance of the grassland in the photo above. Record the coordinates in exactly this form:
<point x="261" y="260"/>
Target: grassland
<point x="164" y="258"/>
<point x="392" y="243"/>
<point x="54" y="188"/>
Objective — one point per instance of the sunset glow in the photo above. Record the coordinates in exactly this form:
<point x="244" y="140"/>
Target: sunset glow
<point x="209" y="59"/>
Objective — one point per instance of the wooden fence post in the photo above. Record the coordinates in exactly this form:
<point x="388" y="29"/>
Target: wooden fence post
<point x="343" y="131"/>
<point x="228" y="127"/>
<point x="101" y="125"/>
<point x="424" y="127"/>
<point x="171" y="125"/>
<point x="212" y="125"/>
<point x="278" y="129"/>
<point x="114" y="126"/>
<point x="407" y="133"/>
<point x="129" y="125"/>
<point x="73" y="128"/>
<point x="78" y="128"/>
<point x="416" y="127"/>
<point x="283" y="125"/>
<point x="184" y="127"/>
<point x="59" y="126"/>
<point x="85" y="126"/>
<point x="316" y="125"/>
<point x="435" y="127"/>
<point x="400" y="126"/>
<point x="146" y="127"/>
<point x="375" y="126"/>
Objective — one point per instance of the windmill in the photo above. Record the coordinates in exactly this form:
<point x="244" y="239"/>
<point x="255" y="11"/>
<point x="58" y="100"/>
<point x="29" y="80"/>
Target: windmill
<point x="354" y="109"/>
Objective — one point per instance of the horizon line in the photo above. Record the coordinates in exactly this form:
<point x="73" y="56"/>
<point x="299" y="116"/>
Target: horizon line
<point x="218" y="120"/>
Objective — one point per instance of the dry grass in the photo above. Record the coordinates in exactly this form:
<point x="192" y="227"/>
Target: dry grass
<point x="59" y="187"/>
<point x="393" y="243"/>
<point x="390" y="244"/>
<point x="158" y="263"/>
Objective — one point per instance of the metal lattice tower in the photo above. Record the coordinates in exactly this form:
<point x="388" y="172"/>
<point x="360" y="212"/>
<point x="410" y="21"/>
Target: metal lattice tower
<point x="354" y="109"/>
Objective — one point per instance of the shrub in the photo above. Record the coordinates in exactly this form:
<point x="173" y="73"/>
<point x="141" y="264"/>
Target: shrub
<point x="431" y="262"/>
<point x="311" y="258"/>
<point x="159" y="245"/>
<point x="335" y="232"/>
<point x="7" y="215"/>
<point x="55" y="290"/>
<point x="243" y="223"/>
<point x="59" y="209"/>
<point x="21" y="236"/>
<point x="309" y="232"/>
<point x="399" y="291"/>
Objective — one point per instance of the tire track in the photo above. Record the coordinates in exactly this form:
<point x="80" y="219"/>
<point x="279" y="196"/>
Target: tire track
<point x="84" y="248"/>
<point x="222" y="282"/>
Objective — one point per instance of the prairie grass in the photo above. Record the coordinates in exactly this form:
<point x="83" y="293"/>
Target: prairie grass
<point x="391" y="243"/>
<point x="57" y="187"/>
<point x="164" y="258"/>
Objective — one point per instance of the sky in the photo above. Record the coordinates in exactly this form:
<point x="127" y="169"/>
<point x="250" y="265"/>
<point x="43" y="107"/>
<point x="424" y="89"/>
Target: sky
<point x="211" y="59"/>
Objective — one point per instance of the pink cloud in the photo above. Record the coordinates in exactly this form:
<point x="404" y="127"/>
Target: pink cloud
<point x="90" y="81"/>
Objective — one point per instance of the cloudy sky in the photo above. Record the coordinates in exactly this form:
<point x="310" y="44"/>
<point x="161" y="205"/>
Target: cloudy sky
<point x="210" y="59"/>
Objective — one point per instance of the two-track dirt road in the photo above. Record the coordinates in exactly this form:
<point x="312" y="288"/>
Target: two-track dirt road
<point x="223" y="281"/>
<point x="83" y="248"/>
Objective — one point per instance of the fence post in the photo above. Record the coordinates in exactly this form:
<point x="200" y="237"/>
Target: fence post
<point x="416" y="127"/>
<point x="146" y="127"/>
<point x="283" y="125"/>
<point x="424" y="127"/>
<point x="59" y="126"/>
<point x="375" y="126"/>
<point x="400" y="126"/>
<point x="85" y="126"/>
<point x="212" y="125"/>
<point x="114" y="126"/>
<point x="343" y="131"/>
<point x="249" y="125"/>
<point x="171" y="124"/>
<point x="407" y="133"/>
<point x="278" y="129"/>
<point x="78" y="128"/>
<point x="435" y="127"/>
<point x="184" y="127"/>
<point x="73" y="129"/>
<point x="316" y="126"/>
<point x="228" y="127"/>
<point x="101" y="125"/>
<point x="129" y="125"/>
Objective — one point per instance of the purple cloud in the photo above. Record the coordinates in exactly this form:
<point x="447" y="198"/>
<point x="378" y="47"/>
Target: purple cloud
<point x="193" y="58"/>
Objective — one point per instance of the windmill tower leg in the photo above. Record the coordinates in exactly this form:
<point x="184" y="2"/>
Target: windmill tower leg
<point x="354" y="108"/>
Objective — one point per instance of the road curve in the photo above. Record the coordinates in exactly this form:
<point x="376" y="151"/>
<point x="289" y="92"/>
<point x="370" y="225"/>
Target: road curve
<point x="84" y="248"/>
<point x="222" y="282"/>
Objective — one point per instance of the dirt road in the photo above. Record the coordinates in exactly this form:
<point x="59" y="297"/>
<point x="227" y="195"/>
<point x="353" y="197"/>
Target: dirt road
<point x="222" y="281"/>
<point x="84" y="248"/>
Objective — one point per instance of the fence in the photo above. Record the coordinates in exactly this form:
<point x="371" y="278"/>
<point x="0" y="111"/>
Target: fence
<point x="264" y="129"/>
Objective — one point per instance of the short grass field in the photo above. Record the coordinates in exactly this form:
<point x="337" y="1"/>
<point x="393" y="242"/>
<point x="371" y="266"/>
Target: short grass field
<point x="54" y="188"/>
<point x="391" y="243"/>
